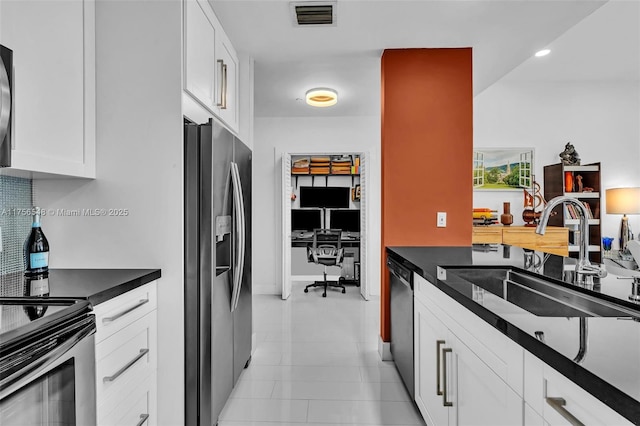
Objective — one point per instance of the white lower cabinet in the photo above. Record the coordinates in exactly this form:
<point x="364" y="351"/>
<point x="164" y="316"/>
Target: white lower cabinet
<point x="430" y="336"/>
<point x="126" y="358"/>
<point x="454" y="385"/>
<point x="559" y="401"/>
<point x="531" y="418"/>
<point x="468" y="373"/>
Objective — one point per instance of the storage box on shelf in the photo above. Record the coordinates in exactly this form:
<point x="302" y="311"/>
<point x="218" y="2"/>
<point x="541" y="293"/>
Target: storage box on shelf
<point x="325" y="166"/>
<point x="54" y="96"/>
<point x="126" y="357"/>
<point x="583" y="183"/>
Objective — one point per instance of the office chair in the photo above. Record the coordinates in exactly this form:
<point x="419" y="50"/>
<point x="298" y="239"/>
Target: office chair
<point x="326" y="250"/>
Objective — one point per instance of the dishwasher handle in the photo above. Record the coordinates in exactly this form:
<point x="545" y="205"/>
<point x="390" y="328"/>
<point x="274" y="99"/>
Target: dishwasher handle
<point x="400" y="272"/>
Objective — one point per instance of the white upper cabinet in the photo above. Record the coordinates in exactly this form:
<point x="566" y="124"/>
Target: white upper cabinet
<point x="210" y="64"/>
<point x="200" y="55"/>
<point x="53" y="45"/>
<point x="227" y="93"/>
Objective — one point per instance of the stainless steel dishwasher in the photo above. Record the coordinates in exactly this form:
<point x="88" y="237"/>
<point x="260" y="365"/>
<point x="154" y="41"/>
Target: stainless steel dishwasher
<point x="401" y="289"/>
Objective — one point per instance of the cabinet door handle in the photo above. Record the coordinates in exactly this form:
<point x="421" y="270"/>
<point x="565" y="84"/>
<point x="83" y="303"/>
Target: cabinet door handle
<point x="223" y="85"/>
<point x="125" y="312"/>
<point x="445" y="403"/>
<point x="558" y="405"/>
<point x="143" y="419"/>
<point x="438" y="344"/>
<point x="128" y="365"/>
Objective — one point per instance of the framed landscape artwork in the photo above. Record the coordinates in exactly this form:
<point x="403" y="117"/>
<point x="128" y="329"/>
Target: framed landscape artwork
<point x="502" y="169"/>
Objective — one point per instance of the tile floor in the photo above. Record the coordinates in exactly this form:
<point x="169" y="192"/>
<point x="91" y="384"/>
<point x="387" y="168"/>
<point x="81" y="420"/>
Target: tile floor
<point x="316" y="363"/>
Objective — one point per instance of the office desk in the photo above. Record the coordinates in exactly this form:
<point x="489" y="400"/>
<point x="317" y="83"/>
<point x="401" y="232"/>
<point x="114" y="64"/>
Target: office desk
<point x="305" y="241"/>
<point x="303" y="270"/>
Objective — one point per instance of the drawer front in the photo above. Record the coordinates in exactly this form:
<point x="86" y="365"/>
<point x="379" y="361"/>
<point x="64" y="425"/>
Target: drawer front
<point x="119" y="312"/>
<point x="482" y="235"/>
<point x="555" y="240"/>
<point x="519" y="236"/>
<point x="575" y="401"/>
<point x="125" y="359"/>
<point x="137" y="408"/>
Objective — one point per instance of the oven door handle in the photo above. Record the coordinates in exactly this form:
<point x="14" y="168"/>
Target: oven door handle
<point x="25" y="375"/>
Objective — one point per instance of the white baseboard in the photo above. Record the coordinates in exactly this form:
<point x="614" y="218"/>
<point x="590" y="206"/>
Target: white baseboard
<point x="384" y="349"/>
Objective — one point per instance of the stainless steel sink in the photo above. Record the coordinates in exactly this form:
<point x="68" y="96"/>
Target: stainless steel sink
<point x="539" y="296"/>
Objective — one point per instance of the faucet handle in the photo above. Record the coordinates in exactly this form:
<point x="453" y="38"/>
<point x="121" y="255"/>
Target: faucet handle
<point x="596" y="270"/>
<point x="635" y="288"/>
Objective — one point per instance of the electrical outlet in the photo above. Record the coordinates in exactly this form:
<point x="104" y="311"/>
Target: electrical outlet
<point x="442" y="220"/>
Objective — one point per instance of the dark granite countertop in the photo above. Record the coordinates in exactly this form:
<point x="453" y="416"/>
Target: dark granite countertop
<point x="610" y="371"/>
<point x="98" y="285"/>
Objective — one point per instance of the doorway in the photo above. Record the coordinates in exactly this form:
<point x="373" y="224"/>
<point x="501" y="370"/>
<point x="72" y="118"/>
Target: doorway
<point x="322" y="182"/>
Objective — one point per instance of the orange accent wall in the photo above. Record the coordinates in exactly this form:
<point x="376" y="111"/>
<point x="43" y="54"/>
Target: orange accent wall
<point x="427" y="148"/>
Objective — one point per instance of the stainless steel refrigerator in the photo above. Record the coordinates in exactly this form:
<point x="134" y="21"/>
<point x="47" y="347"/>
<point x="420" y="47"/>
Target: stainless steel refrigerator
<point x="217" y="299"/>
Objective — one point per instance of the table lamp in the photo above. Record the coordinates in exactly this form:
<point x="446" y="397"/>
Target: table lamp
<point x="624" y="201"/>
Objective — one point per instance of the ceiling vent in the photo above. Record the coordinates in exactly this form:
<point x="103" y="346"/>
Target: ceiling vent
<point x="313" y="13"/>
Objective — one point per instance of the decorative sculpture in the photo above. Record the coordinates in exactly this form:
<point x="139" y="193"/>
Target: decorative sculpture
<point x="532" y="200"/>
<point x="570" y="156"/>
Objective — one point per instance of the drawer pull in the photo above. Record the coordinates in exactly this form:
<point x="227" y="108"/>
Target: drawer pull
<point x="117" y="374"/>
<point x="445" y="403"/>
<point x="125" y="312"/>
<point x="438" y="344"/>
<point x="143" y="419"/>
<point x="558" y="405"/>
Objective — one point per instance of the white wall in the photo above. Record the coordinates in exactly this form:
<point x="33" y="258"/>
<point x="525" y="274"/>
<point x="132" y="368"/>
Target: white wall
<point x="139" y="167"/>
<point x="601" y="119"/>
<point x="275" y="136"/>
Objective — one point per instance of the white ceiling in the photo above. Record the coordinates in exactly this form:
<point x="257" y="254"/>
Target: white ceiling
<point x="290" y="60"/>
<point x="605" y="46"/>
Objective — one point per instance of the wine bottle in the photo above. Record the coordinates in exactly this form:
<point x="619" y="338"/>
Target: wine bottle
<point x="36" y="268"/>
<point x="36" y="250"/>
<point x="36" y="285"/>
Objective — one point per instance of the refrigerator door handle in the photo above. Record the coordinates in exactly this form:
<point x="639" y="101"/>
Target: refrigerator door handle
<point x="242" y="236"/>
<point x="240" y="231"/>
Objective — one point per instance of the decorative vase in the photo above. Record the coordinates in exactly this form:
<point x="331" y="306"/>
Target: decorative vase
<point x="531" y="217"/>
<point x="568" y="181"/>
<point x="506" y="218"/>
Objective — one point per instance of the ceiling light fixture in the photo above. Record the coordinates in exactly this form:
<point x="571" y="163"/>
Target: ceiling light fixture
<point x="321" y="97"/>
<point x="543" y="52"/>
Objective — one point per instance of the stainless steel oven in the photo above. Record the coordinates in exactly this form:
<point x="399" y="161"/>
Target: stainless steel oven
<point x="47" y="362"/>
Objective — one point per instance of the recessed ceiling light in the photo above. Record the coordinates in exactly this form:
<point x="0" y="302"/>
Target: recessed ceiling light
<point x="321" y="97"/>
<point x="543" y="52"/>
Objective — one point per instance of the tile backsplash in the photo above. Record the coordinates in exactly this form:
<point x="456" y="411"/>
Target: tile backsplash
<point x="16" y="199"/>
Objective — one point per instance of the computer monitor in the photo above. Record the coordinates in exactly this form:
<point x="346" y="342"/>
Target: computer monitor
<point x="306" y="219"/>
<point x="347" y="220"/>
<point x="325" y="196"/>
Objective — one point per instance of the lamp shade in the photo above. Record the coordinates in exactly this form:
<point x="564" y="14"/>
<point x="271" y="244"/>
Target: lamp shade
<point x="623" y="200"/>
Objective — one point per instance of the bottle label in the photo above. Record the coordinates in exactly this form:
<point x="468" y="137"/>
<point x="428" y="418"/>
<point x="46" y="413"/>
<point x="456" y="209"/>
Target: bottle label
<point x="39" y="287"/>
<point x="39" y="260"/>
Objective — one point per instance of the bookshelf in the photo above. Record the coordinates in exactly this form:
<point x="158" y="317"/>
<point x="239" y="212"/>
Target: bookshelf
<point x="583" y="183"/>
